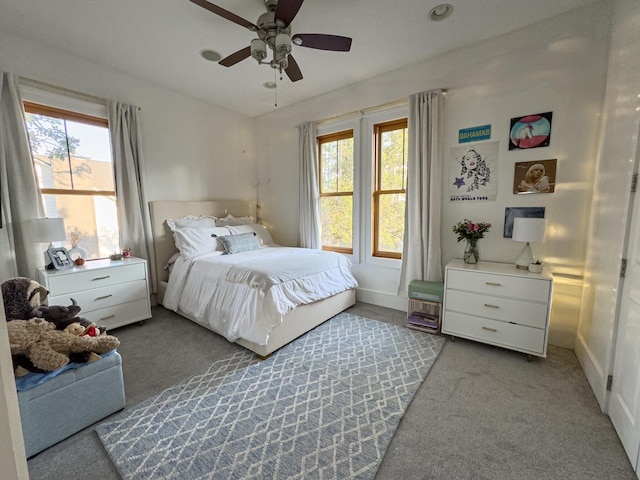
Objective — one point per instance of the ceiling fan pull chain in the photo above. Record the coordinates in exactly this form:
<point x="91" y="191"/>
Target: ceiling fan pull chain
<point x="275" y="90"/>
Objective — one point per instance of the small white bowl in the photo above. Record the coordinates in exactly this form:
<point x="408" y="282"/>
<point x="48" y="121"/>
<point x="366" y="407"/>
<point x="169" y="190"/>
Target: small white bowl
<point x="535" y="267"/>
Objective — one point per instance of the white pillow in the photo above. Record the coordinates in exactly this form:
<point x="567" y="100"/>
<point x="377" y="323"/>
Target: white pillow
<point x="191" y="221"/>
<point x="260" y="230"/>
<point x="231" y="220"/>
<point x="193" y="242"/>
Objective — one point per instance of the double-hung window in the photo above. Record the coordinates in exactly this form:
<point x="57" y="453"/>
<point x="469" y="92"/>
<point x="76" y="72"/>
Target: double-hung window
<point x="389" y="187"/>
<point x="336" y="158"/>
<point x="74" y="169"/>
<point x="362" y="184"/>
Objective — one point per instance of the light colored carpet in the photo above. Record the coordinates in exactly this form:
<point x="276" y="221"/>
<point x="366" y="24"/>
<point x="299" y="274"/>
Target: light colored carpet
<point x="323" y="407"/>
<point x="460" y="424"/>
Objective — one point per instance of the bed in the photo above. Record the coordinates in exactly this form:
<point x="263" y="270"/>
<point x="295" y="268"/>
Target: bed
<point x="188" y="272"/>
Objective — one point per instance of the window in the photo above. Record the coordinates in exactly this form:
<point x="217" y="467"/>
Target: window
<point x="336" y="156"/>
<point x="363" y="178"/>
<point x="72" y="159"/>
<point x="389" y="190"/>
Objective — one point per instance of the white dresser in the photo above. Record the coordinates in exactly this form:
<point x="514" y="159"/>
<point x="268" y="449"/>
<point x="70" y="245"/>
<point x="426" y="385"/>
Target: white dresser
<point x="112" y="293"/>
<point x="497" y="303"/>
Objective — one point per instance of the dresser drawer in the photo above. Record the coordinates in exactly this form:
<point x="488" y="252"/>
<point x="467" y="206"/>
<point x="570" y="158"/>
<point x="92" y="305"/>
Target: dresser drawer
<point x="63" y="282"/>
<point x="119" y="315"/>
<point x="516" y="337"/>
<point x="103" y="297"/>
<point x="498" y="308"/>
<point x="531" y="289"/>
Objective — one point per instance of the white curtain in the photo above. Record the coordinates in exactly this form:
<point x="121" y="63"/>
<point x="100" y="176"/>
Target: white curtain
<point x="19" y="194"/>
<point x="421" y="254"/>
<point x="309" y="229"/>
<point x="133" y="212"/>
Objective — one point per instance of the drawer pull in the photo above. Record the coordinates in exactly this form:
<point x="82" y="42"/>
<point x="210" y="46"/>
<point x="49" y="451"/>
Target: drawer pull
<point x="111" y="316"/>
<point x="491" y="306"/>
<point x="104" y="296"/>
<point x="101" y="278"/>
<point x="490" y="329"/>
<point x="493" y="284"/>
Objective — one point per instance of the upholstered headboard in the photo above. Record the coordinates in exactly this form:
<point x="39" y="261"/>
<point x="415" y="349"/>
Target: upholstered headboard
<point x="162" y="210"/>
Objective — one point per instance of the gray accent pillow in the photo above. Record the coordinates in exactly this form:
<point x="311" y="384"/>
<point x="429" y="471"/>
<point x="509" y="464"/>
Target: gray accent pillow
<point x="242" y="242"/>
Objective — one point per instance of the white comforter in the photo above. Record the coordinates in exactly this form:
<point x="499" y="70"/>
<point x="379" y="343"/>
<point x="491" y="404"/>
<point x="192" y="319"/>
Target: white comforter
<point x="246" y="295"/>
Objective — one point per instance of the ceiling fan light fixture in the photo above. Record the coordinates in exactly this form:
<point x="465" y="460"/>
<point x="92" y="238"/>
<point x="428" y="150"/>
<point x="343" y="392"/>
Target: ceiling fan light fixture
<point x="258" y="49"/>
<point x="210" y="55"/>
<point x="440" y="12"/>
<point x="283" y="44"/>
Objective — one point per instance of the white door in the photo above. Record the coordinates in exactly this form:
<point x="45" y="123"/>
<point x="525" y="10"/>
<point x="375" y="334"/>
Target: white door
<point x="624" y="401"/>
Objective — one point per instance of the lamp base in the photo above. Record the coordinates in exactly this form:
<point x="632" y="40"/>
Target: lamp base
<point x="525" y="257"/>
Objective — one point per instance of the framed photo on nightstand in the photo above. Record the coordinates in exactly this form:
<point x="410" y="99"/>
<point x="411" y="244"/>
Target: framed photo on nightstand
<point x="60" y="259"/>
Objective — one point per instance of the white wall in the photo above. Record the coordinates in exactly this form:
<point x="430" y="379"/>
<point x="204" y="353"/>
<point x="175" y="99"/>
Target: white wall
<point x="193" y="150"/>
<point x="557" y="66"/>
<point x="621" y="120"/>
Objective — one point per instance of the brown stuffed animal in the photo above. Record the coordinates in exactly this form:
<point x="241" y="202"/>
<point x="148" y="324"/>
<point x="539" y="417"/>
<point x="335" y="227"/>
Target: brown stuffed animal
<point x="48" y="348"/>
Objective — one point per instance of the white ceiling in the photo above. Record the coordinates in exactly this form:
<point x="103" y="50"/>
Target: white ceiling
<point x="160" y="40"/>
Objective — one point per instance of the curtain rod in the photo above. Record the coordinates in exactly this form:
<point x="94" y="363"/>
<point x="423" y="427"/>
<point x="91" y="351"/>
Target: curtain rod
<point x="364" y="111"/>
<point x="66" y="91"/>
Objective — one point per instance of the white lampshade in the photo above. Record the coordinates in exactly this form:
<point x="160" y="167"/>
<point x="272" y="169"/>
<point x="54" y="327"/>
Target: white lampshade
<point x="47" y="230"/>
<point x="527" y="230"/>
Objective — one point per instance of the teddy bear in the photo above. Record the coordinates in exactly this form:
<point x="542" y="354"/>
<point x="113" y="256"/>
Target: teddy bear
<point x="49" y="349"/>
<point x="21" y="296"/>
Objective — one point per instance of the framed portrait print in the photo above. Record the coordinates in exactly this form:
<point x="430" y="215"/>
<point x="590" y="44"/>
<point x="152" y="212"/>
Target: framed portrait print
<point x="60" y="259"/>
<point x="535" y="177"/>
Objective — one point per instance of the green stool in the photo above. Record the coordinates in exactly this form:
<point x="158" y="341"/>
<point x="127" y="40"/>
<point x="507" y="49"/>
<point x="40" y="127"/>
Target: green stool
<point x="425" y="306"/>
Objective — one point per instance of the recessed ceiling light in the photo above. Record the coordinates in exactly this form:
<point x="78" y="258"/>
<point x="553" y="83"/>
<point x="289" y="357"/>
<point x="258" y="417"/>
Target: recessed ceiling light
<point x="440" y="12"/>
<point x="269" y="85"/>
<point x="210" y="55"/>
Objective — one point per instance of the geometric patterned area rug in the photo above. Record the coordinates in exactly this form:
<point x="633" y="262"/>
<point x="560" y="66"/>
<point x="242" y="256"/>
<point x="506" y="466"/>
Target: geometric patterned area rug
<point x="323" y="407"/>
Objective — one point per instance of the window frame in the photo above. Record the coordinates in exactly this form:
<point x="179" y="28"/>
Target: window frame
<point x="329" y="138"/>
<point x="367" y="186"/>
<point x="332" y="129"/>
<point x="61" y="113"/>
<point x="377" y="191"/>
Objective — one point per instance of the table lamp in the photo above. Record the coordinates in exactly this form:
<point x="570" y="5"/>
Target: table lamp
<point x="527" y="230"/>
<point x="47" y="230"/>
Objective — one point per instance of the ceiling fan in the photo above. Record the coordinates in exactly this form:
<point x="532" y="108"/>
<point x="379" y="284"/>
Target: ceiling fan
<point x="274" y="31"/>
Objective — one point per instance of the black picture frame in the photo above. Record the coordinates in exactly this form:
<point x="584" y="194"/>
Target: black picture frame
<point x="60" y="258"/>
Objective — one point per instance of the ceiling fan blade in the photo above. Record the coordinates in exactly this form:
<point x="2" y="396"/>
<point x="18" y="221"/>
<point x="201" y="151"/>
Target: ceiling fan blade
<point x="286" y="10"/>
<point x="236" y="57"/>
<point x="320" y="41"/>
<point x="293" y="70"/>
<point x="226" y="14"/>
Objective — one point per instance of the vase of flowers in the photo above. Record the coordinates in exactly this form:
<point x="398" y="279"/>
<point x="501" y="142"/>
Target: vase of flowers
<point x="471" y="232"/>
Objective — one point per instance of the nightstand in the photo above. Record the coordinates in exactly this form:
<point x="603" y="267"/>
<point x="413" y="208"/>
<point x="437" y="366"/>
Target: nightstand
<point x="112" y="293"/>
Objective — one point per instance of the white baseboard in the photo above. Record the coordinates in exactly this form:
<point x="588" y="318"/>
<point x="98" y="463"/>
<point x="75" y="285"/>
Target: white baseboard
<point x="595" y="376"/>
<point x="382" y="299"/>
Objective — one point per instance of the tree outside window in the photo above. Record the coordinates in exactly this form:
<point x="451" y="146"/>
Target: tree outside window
<point x="389" y="192"/>
<point x="336" y="191"/>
